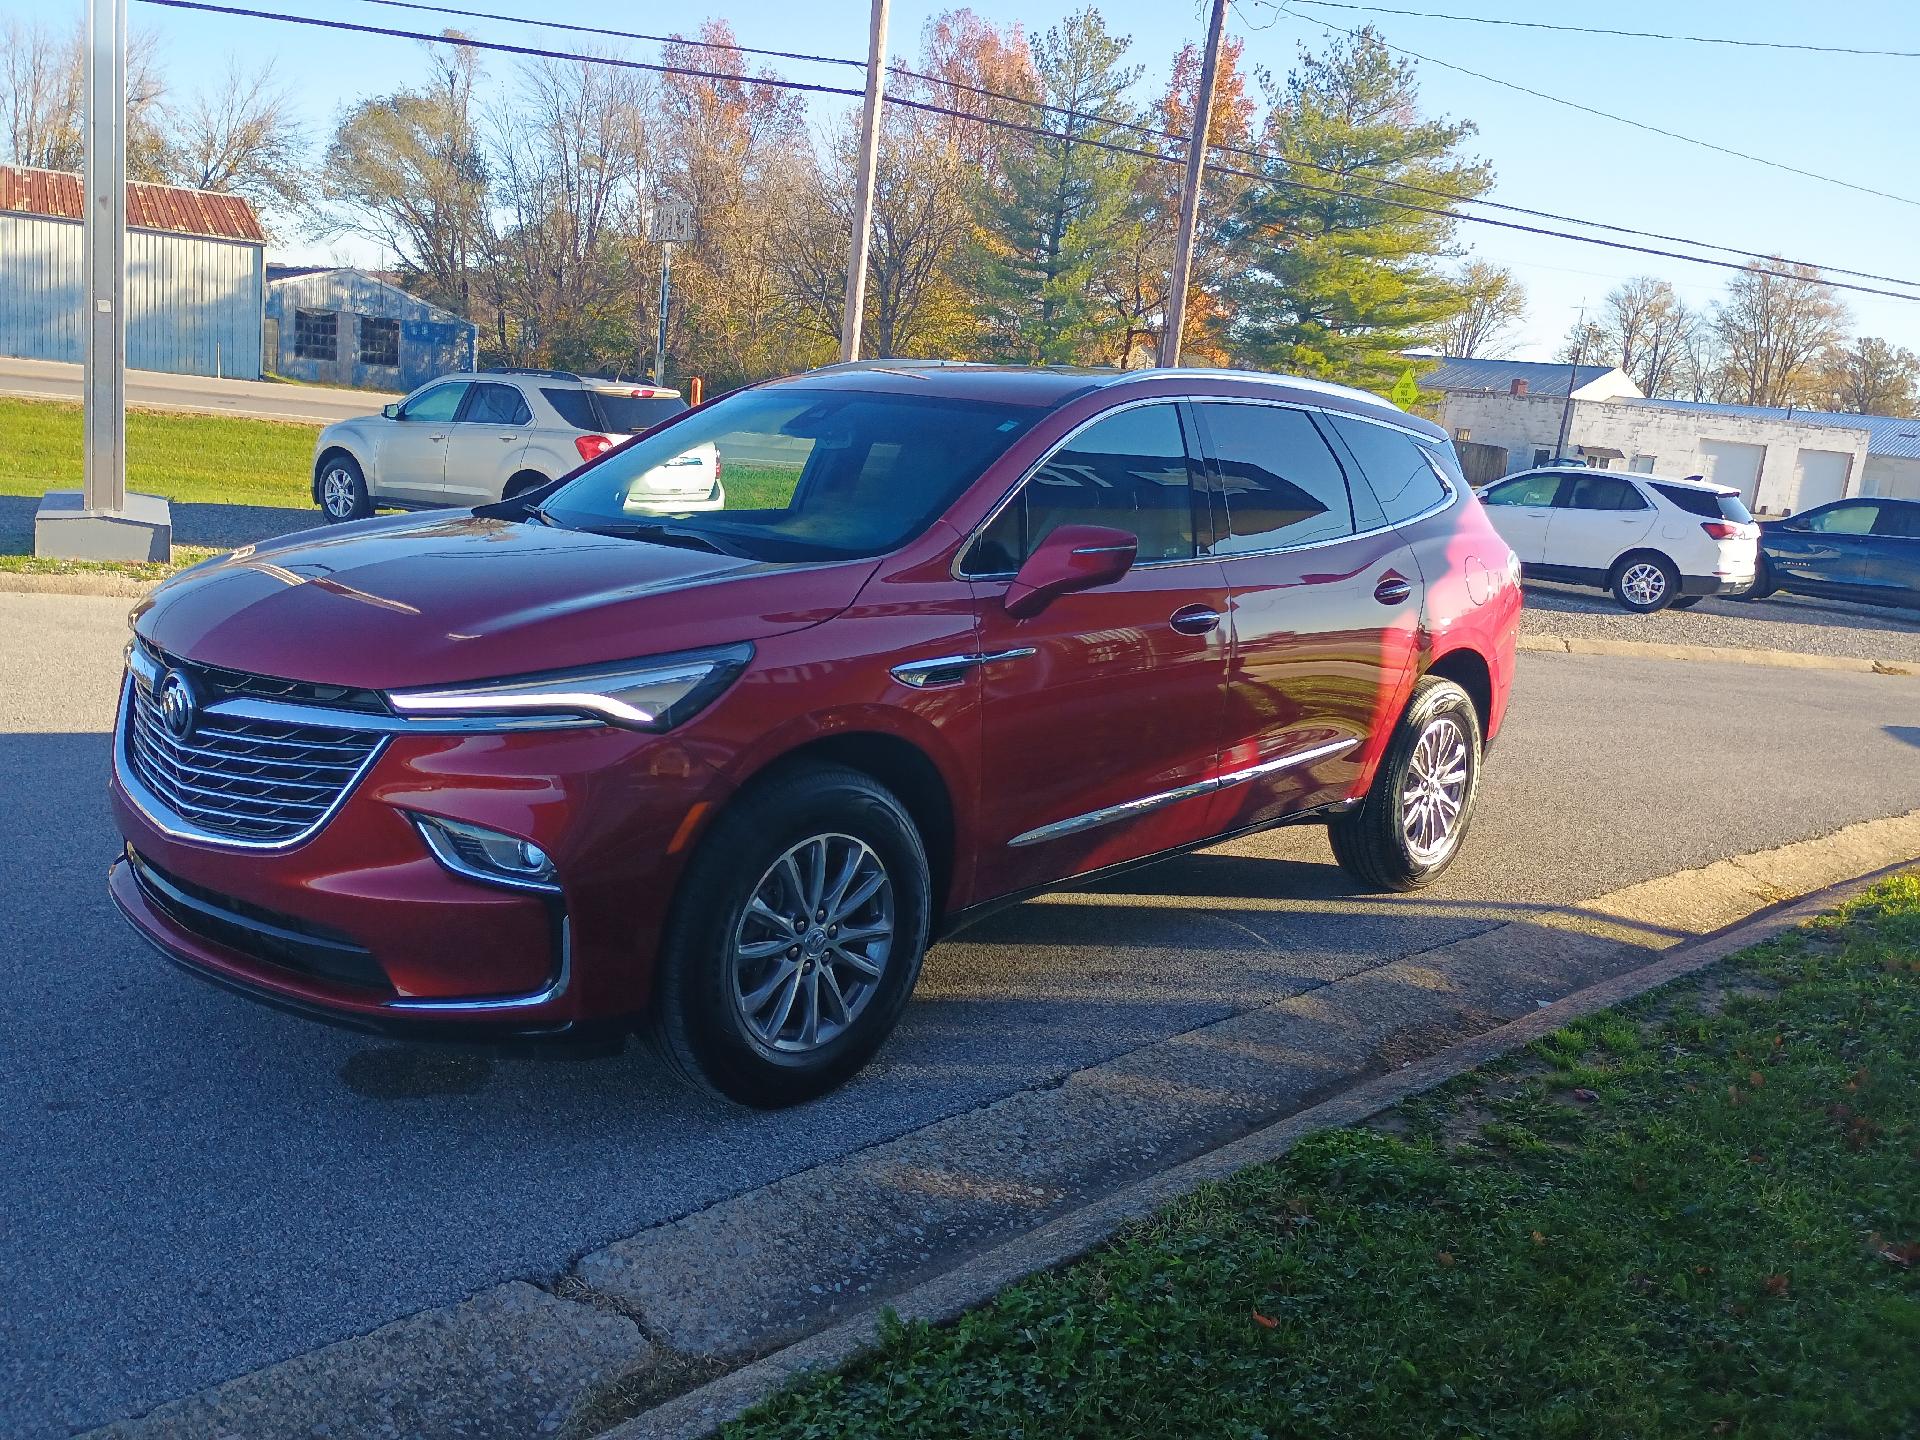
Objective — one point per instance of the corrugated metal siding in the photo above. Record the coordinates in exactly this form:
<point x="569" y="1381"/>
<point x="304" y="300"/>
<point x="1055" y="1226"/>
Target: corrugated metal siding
<point x="40" y="288"/>
<point x="193" y="304"/>
<point x="432" y="341"/>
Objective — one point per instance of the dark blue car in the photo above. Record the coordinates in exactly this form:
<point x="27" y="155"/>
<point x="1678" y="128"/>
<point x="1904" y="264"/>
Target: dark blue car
<point x="1864" y="549"/>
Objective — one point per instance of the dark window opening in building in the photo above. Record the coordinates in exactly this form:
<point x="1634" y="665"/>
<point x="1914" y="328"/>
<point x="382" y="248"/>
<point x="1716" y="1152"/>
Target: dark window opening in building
<point x="379" y="341"/>
<point x="316" y="334"/>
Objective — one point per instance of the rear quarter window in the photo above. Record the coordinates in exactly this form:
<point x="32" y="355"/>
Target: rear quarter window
<point x="1706" y="503"/>
<point x="1397" y="468"/>
<point x="612" y="413"/>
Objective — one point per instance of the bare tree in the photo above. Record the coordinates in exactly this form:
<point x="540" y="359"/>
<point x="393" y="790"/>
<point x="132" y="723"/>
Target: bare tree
<point x="42" y="72"/>
<point x="1874" y="377"/>
<point x="241" y="137"/>
<point x="1776" y="325"/>
<point x="1644" y="328"/>
<point x="1496" y="303"/>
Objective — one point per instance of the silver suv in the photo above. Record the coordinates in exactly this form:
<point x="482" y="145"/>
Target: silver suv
<point x="480" y="436"/>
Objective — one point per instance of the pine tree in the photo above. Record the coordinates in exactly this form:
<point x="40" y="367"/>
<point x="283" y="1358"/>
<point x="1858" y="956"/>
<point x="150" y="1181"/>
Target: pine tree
<point x="1047" y="225"/>
<point x="1338" y="279"/>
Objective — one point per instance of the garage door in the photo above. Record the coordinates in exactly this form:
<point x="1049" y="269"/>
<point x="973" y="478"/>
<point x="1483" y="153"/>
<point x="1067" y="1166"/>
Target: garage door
<point x="1734" y="465"/>
<point x="1820" y="476"/>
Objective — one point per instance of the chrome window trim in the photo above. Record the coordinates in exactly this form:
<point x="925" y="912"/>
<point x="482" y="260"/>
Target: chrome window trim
<point x="958" y="572"/>
<point x="174" y="826"/>
<point x="1128" y="809"/>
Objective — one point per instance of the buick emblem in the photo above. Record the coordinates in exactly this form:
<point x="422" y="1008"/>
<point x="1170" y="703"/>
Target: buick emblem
<point x="179" y="709"/>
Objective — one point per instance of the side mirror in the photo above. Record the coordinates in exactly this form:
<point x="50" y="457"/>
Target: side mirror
<point x="392" y="412"/>
<point x="1071" y="559"/>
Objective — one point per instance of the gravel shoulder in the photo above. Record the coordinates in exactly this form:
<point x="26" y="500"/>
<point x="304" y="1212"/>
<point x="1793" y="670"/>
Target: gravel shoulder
<point x="1783" y="622"/>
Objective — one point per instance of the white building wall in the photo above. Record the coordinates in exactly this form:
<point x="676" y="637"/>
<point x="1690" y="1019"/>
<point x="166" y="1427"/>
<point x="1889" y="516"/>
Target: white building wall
<point x="1887" y="475"/>
<point x="1673" y="437"/>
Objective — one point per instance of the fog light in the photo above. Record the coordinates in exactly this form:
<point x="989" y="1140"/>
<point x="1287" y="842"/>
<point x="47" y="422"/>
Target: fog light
<point x="487" y="855"/>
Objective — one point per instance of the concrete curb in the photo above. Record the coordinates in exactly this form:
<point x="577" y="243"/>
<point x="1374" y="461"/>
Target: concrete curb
<point x="936" y="1220"/>
<point x="125" y="586"/>
<point x="700" y="1412"/>
<point x="1721" y="654"/>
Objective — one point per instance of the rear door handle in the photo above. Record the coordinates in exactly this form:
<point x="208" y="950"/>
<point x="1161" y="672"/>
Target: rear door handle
<point x="1195" y="619"/>
<point x="1392" y="590"/>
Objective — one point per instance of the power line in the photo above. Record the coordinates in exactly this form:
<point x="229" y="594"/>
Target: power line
<point x="1622" y="34"/>
<point x="1282" y="6"/>
<point x="1160" y="134"/>
<point x="466" y="42"/>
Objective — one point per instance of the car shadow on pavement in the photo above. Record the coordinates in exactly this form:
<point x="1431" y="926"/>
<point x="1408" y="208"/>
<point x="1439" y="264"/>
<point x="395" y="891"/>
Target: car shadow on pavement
<point x="1908" y="733"/>
<point x="218" y="527"/>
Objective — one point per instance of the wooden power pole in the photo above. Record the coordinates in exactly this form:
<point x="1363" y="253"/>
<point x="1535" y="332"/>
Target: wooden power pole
<point x="855" y="310"/>
<point x="1190" y="192"/>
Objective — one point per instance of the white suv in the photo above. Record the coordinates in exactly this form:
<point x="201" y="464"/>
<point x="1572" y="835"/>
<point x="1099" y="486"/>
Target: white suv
<point x="478" y="437"/>
<point x="1654" y="542"/>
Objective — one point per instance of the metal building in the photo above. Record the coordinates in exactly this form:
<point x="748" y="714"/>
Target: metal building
<point x="196" y="275"/>
<point x="346" y="327"/>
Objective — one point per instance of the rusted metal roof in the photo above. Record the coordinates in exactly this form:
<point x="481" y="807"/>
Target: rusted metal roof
<point x="57" y="195"/>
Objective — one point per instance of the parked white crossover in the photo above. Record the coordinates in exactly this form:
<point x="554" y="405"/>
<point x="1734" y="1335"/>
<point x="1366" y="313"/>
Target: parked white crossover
<point x="478" y="437"/>
<point x="1652" y="541"/>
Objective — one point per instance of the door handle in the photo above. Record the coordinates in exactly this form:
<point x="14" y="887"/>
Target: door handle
<point x="1392" y="590"/>
<point x="436" y="437"/>
<point x="1195" y="619"/>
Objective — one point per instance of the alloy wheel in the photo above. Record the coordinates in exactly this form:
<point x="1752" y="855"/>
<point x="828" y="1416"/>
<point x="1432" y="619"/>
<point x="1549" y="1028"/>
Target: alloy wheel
<point x="1643" y="583"/>
<point x="1433" y="796"/>
<point x="336" y="493"/>
<point x="812" y="943"/>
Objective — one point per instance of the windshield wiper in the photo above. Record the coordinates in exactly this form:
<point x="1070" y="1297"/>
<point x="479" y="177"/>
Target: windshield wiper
<point x="658" y="533"/>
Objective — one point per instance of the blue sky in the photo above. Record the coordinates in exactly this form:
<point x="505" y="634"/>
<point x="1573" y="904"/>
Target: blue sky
<point x="1845" y="116"/>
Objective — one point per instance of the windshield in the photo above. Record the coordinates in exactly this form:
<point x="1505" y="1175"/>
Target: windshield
<point x="794" y="474"/>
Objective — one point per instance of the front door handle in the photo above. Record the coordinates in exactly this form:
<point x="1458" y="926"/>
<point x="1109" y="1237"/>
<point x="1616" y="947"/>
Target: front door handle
<point x="1392" y="590"/>
<point x="1195" y="620"/>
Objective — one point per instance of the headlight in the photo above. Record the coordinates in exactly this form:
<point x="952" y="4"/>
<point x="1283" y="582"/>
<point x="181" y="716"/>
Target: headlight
<point x="654" y="694"/>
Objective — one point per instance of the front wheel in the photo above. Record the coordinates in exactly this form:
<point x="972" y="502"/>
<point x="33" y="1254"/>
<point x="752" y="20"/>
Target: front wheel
<point x="343" y="491"/>
<point x="1411" y="824"/>
<point x="795" y="941"/>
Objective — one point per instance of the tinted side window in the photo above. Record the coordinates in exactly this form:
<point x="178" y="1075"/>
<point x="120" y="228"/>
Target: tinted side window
<point x="1279" y="481"/>
<point x="436" y="404"/>
<point x="497" y="405"/>
<point x="1527" y="490"/>
<point x="1600" y="492"/>
<point x="1900" y="520"/>
<point x="572" y="406"/>
<point x="1851" y="519"/>
<point x="1128" y="471"/>
<point x="1395" y="466"/>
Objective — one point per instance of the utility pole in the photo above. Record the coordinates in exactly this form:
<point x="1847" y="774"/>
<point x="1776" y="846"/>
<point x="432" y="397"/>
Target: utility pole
<point x="854" y="312"/>
<point x="102" y="521"/>
<point x="660" y="339"/>
<point x="1190" y="192"/>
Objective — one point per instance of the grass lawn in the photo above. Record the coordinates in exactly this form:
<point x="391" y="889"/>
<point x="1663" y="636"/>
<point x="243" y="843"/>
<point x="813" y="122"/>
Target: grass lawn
<point x="183" y="556"/>
<point x="1695" y="1216"/>
<point x="209" y="459"/>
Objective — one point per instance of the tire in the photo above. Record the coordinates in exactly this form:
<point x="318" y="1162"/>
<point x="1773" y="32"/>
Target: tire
<point x="342" y="491"/>
<point x="1686" y="602"/>
<point x="519" y="485"/>
<point x="715" y="960"/>
<point x="1373" y="843"/>
<point x="1763" y="585"/>
<point x="1644" y="582"/>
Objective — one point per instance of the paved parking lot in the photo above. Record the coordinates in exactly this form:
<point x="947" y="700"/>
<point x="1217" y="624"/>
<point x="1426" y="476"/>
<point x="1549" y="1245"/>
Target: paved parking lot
<point x="1780" y="622"/>
<point x="198" y="1186"/>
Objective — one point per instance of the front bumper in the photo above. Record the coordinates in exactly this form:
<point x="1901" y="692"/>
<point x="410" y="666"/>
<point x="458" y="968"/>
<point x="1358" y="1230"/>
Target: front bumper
<point x="359" y="924"/>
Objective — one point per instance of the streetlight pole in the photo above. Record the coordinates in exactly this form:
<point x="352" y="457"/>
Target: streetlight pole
<point x="660" y="337"/>
<point x="1190" y="192"/>
<point x="854" y="312"/>
<point x="101" y="521"/>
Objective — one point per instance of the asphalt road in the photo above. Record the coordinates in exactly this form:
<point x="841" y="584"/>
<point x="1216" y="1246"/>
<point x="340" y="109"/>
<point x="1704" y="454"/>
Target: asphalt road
<point x="201" y="394"/>
<point x="196" y="1186"/>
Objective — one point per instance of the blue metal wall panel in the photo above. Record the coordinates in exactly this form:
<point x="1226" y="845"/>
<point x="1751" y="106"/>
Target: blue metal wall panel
<point x="432" y="341"/>
<point x="40" y="289"/>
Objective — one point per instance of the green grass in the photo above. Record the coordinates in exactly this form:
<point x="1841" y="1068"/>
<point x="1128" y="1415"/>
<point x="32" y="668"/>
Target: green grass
<point x="183" y="556"/>
<point x="204" y="459"/>
<point x="759" y="487"/>
<point x="1696" y="1216"/>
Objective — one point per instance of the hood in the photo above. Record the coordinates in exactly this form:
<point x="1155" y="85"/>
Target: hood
<point x="452" y="597"/>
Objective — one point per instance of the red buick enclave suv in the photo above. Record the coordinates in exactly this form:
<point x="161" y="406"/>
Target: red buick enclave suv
<point x="571" y="763"/>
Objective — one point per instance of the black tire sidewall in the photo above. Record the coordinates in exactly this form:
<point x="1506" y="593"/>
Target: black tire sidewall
<point x="694" y="1004"/>
<point x="1370" y="842"/>
<point x="1667" y="571"/>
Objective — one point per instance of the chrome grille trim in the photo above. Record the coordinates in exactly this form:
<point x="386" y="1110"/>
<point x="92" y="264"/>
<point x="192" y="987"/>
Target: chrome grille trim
<point x="243" y="780"/>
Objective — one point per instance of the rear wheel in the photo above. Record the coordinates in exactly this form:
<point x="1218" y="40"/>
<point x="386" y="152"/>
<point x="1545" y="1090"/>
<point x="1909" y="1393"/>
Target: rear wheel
<point x="796" y="939"/>
<point x="1415" y="816"/>
<point x="342" y="490"/>
<point x="1763" y="585"/>
<point x="1645" y="583"/>
<point x="523" y="482"/>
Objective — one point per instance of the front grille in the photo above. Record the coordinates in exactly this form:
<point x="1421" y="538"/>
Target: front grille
<point x="217" y="683"/>
<point x="255" y="781"/>
<point x="265" y="935"/>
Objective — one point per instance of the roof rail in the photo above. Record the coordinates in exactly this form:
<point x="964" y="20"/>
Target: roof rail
<point x="529" y="370"/>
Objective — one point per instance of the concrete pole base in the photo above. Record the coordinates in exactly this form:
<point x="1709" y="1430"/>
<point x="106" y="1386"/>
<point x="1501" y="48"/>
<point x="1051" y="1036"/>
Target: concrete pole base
<point x="64" y="529"/>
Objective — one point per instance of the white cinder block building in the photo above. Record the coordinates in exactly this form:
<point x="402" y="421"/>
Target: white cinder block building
<point x="1781" y="461"/>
